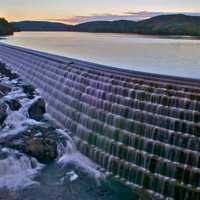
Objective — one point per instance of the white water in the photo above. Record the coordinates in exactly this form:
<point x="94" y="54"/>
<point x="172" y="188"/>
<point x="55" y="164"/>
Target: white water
<point x="173" y="55"/>
<point x="18" y="121"/>
<point x="72" y="176"/>
<point x="17" y="170"/>
<point x="70" y="155"/>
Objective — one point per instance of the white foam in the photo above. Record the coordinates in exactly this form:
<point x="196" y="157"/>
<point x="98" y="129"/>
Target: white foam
<point x="15" y="123"/>
<point x="16" y="93"/>
<point x="18" y="121"/>
<point x="70" y="155"/>
<point x="72" y="176"/>
<point x="17" y="171"/>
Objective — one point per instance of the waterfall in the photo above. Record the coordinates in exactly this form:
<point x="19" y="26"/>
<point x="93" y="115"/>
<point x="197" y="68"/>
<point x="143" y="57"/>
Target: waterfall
<point x="69" y="154"/>
<point x="142" y="129"/>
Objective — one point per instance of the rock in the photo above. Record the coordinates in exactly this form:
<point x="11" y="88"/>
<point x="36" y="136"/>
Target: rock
<point x="44" y="149"/>
<point x="14" y="104"/>
<point x="6" y="72"/>
<point x="29" y="90"/>
<point x="3" y="113"/>
<point x="37" y="109"/>
<point x="6" y="194"/>
<point x="4" y="90"/>
<point x="40" y="142"/>
<point x="3" y="155"/>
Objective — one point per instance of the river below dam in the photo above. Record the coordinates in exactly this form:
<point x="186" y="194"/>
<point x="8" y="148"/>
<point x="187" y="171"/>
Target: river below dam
<point x="52" y="183"/>
<point x="172" y="55"/>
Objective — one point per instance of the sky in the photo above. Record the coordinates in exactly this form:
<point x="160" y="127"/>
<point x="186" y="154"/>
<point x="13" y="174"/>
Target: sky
<point x="77" y="11"/>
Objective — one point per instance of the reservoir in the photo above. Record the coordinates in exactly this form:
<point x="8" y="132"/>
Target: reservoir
<point x="177" y="56"/>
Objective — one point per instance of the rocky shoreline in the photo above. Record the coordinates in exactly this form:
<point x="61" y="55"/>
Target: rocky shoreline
<point x="23" y="126"/>
<point x="27" y="139"/>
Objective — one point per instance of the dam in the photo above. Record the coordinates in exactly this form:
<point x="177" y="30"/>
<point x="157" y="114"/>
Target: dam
<point x="143" y="128"/>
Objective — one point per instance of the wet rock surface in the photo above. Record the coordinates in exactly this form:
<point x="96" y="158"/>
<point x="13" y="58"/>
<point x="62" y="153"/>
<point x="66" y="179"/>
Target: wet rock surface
<point x="5" y="194"/>
<point x="38" y="139"/>
<point x="7" y="73"/>
<point x="3" y="112"/>
<point x="35" y="137"/>
<point x="4" y="90"/>
<point x="29" y="90"/>
<point x="14" y="104"/>
<point x="37" y="109"/>
<point x="40" y="142"/>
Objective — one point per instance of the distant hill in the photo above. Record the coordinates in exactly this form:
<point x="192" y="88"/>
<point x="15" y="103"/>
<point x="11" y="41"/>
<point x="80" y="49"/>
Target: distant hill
<point x="96" y="26"/>
<point x="40" y="26"/>
<point x="161" y="25"/>
<point x="121" y="26"/>
<point x="5" y="27"/>
<point x="170" y="25"/>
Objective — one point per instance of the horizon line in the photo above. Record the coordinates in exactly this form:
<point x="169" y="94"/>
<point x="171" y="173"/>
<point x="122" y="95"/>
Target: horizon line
<point x="132" y="16"/>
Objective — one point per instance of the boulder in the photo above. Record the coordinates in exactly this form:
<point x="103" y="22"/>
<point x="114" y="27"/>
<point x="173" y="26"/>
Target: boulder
<point x="44" y="149"/>
<point x="14" y="104"/>
<point x="4" y="90"/>
<point x="29" y="90"/>
<point x="6" y="72"/>
<point x="6" y="194"/>
<point x="3" y="112"/>
<point x="40" y="142"/>
<point x="37" y="109"/>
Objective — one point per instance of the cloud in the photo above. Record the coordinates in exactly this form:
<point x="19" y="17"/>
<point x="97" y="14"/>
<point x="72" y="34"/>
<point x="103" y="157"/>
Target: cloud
<point x="94" y="17"/>
<point x="135" y="16"/>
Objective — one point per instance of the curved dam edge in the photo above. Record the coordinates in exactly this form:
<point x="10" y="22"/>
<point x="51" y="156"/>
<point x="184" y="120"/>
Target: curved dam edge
<point x="146" y="75"/>
<point x="137" y="192"/>
<point x="143" y="128"/>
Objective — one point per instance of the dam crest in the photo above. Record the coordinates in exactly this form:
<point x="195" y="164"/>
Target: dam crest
<point x="143" y="128"/>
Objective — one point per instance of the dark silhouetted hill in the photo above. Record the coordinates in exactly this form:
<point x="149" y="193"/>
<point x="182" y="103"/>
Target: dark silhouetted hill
<point x="170" y="25"/>
<point x="40" y="26"/>
<point x="121" y="26"/>
<point x="5" y="27"/>
<point x="178" y="24"/>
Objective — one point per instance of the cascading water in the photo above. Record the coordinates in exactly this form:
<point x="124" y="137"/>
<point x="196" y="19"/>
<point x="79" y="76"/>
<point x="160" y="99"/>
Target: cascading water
<point x="69" y="154"/>
<point x="22" y="141"/>
<point x="143" y="129"/>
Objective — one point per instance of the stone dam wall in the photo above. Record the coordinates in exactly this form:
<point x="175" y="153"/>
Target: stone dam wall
<point x="143" y="128"/>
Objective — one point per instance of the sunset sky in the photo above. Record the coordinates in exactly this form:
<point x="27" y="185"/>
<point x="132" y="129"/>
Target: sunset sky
<point x="76" y="11"/>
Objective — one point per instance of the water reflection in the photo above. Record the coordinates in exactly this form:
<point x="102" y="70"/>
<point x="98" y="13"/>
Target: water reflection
<point x="173" y="55"/>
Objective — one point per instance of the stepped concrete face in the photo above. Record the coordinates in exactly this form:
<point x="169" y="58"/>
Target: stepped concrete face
<point x="143" y="128"/>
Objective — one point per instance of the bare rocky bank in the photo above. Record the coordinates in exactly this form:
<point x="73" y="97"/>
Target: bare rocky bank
<point x="23" y="126"/>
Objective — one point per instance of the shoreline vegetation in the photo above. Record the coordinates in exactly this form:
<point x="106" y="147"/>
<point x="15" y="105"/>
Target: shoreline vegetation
<point x="177" y="24"/>
<point x="6" y="28"/>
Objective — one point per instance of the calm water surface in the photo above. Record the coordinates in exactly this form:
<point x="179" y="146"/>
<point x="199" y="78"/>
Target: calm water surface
<point x="173" y="55"/>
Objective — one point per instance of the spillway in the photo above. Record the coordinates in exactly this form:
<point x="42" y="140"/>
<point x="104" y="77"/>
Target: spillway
<point x="143" y="128"/>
